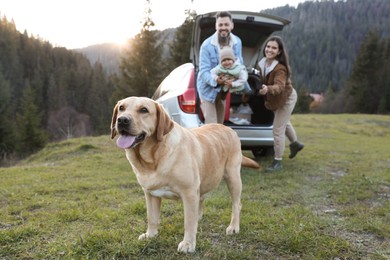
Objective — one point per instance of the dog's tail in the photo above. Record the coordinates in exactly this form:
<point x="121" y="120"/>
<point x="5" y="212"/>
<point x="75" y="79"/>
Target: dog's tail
<point x="248" y="162"/>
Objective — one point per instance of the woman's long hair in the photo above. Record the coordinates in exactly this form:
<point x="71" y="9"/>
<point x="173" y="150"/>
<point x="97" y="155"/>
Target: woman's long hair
<point x="282" y="57"/>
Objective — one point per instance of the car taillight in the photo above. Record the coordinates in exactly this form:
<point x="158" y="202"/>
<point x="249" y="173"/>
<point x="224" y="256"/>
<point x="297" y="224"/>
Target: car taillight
<point x="187" y="101"/>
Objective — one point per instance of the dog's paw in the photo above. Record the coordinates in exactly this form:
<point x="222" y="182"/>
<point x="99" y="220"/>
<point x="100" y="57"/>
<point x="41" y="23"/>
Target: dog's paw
<point x="146" y="236"/>
<point x="186" y="247"/>
<point x="232" y="230"/>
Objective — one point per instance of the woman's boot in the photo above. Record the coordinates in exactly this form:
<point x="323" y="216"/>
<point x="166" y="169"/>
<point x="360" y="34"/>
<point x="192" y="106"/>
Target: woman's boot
<point x="295" y="147"/>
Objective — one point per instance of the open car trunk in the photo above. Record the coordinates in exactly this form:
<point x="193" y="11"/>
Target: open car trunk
<point x="253" y="29"/>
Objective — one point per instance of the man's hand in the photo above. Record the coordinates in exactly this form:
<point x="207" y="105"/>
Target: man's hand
<point x="220" y="81"/>
<point x="228" y="83"/>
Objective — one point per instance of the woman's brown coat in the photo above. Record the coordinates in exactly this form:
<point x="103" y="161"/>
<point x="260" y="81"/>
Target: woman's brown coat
<point x="279" y="87"/>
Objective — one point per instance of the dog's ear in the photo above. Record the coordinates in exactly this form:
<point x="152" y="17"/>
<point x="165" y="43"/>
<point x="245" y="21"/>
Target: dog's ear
<point x="113" y="121"/>
<point x="164" y="123"/>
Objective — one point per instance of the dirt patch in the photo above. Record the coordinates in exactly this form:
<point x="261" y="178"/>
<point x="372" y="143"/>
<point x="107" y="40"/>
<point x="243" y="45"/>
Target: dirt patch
<point x="368" y="245"/>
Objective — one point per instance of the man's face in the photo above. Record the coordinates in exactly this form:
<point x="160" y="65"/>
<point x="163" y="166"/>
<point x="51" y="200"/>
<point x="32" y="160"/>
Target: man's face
<point x="224" y="26"/>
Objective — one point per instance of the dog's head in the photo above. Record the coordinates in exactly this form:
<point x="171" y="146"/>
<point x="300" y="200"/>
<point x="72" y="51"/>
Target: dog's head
<point x="137" y="118"/>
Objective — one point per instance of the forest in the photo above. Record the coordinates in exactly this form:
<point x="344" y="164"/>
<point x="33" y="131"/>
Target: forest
<point x="335" y="46"/>
<point x="338" y="48"/>
<point x="47" y="93"/>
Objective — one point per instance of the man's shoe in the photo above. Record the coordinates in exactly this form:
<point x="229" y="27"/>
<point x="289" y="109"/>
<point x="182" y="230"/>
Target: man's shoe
<point x="295" y="147"/>
<point x="275" y="166"/>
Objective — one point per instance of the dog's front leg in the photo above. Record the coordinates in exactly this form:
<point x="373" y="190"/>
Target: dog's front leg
<point x="191" y="210"/>
<point x="153" y="210"/>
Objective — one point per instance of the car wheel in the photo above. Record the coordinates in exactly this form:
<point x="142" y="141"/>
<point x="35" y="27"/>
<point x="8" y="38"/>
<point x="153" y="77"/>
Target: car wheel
<point x="263" y="151"/>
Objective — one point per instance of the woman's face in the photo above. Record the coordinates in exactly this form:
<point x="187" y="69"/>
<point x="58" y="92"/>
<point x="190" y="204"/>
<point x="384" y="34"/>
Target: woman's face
<point x="271" y="50"/>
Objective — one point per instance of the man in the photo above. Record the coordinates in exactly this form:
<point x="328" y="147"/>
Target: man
<point x="209" y="89"/>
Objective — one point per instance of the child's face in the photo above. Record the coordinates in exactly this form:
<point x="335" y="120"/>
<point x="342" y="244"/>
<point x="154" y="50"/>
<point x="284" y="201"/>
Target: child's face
<point x="227" y="63"/>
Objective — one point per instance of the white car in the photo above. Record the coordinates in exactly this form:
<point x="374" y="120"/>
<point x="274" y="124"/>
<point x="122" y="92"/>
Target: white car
<point x="251" y="120"/>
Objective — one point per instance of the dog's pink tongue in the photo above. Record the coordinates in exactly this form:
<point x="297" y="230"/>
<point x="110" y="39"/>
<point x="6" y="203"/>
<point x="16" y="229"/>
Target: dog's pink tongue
<point x="125" y="141"/>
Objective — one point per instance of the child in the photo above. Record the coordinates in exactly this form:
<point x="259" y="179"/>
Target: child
<point x="235" y="76"/>
<point x="231" y="72"/>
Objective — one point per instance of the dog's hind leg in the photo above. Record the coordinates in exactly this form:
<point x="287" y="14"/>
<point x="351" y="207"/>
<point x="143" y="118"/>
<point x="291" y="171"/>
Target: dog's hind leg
<point x="234" y="184"/>
<point x="153" y="210"/>
<point x="200" y="213"/>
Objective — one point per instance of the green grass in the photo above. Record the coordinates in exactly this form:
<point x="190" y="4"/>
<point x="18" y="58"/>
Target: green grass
<point x="79" y="199"/>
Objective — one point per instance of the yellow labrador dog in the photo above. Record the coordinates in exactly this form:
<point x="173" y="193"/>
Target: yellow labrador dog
<point x="174" y="162"/>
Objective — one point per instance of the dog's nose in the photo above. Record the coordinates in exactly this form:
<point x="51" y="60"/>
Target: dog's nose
<point x="123" y="121"/>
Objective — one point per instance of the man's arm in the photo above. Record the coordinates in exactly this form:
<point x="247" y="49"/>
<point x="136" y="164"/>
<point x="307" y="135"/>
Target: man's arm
<point x="205" y="66"/>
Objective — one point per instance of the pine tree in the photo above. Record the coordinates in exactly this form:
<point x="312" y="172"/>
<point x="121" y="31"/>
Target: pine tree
<point x="303" y="102"/>
<point x="31" y="135"/>
<point x="7" y="138"/>
<point x="384" y="106"/>
<point x="364" y="84"/>
<point x="141" y="65"/>
<point x="97" y="100"/>
<point x="181" y="45"/>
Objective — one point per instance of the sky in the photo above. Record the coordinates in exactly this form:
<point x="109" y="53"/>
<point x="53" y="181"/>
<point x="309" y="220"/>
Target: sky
<point x="80" y="23"/>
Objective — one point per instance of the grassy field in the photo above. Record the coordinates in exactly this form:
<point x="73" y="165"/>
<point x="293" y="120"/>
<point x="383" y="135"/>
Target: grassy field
<point x="79" y="199"/>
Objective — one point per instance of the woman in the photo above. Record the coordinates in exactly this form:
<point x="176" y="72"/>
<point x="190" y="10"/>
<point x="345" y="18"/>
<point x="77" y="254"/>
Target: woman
<point x="280" y="97"/>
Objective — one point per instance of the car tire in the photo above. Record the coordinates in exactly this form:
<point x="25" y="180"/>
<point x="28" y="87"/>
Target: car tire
<point x="262" y="151"/>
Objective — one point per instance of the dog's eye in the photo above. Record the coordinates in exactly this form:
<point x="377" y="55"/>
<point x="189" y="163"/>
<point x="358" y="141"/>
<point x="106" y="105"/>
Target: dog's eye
<point x="121" y="108"/>
<point x="144" y="110"/>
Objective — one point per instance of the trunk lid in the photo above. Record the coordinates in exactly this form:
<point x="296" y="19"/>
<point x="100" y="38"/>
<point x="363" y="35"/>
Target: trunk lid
<point x="253" y="29"/>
